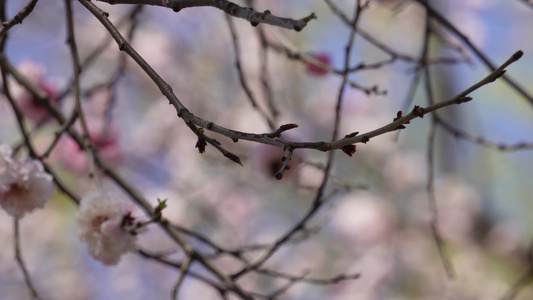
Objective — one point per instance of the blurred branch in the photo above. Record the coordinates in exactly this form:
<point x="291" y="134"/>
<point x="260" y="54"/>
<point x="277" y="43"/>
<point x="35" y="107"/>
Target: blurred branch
<point x="458" y="133"/>
<point x="447" y="24"/>
<point x="20" y="261"/>
<point x="242" y="78"/>
<point x="524" y="280"/>
<point x="367" y="36"/>
<point x="265" y="79"/>
<point x="178" y="265"/>
<point x="184" y="269"/>
<point x="527" y="2"/>
<point x="430" y="151"/>
<point x="78" y="110"/>
<point x="292" y="52"/>
<point x="229" y="8"/>
<point x="99" y="49"/>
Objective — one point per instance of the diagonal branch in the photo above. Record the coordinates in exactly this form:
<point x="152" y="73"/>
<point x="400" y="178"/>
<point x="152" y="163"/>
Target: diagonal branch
<point x="23" y="13"/>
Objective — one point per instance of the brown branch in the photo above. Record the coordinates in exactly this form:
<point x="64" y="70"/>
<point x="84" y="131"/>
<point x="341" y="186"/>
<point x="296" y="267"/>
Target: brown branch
<point x="242" y="78"/>
<point x="229" y="8"/>
<point x="20" y="260"/>
<point x="430" y="188"/>
<point x="295" y="54"/>
<point x="78" y="111"/>
<point x="458" y="133"/>
<point x="430" y="151"/>
<point x="417" y="111"/>
<point x="184" y="269"/>
<point x="189" y="118"/>
<point x="22" y="14"/>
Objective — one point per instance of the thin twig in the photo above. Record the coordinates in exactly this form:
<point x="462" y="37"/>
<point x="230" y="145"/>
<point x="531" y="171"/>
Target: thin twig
<point x="242" y="78"/>
<point x="78" y="111"/>
<point x="458" y="133"/>
<point x="22" y="14"/>
<point x="433" y="208"/>
<point x="20" y="260"/>
<point x="183" y="270"/>
<point x="430" y="151"/>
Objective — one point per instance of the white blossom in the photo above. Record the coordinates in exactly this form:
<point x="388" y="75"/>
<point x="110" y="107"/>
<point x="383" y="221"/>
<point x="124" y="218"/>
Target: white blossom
<point x="101" y="219"/>
<point x="24" y="184"/>
<point x="7" y="176"/>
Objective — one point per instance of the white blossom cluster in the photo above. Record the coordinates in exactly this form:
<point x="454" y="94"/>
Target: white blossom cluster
<point x="103" y="221"/>
<point x="24" y="185"/>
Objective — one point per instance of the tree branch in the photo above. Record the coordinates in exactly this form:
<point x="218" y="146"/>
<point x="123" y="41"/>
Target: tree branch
<point x="229" y="8"/>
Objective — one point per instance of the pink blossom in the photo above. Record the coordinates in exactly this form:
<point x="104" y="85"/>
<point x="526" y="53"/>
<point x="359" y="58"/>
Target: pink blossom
<point x="29" y="105"/>
<point x="101" y="219"/>
<point x="104" y="136"/>
<point x="30" y="188"/>
<point x="313" y="69"/>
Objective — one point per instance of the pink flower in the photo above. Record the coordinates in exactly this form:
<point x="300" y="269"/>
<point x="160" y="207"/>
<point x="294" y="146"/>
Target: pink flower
<point x="103" y="136"/>
<point x="28" y="188"/>
<point x="101" y="219"/>
<point x="28" y="105"/>
<point x="317" y="70"/>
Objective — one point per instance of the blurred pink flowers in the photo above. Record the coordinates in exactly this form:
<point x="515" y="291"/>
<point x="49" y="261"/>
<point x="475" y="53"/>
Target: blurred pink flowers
<point x="24" y="185"/>
<point x="313" y="69"/>
<point x="28" y="105"/>
<point x="104" y="137"/>
<point x="101" y="219"/>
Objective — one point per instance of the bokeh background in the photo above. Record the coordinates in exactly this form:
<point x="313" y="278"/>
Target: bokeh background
<point x="376" y="220"/>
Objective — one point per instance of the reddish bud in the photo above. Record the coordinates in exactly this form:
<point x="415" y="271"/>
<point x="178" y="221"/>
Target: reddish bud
<point x="350" y="150"/>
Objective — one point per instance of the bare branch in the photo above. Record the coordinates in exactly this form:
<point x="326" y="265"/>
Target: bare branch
<point x="229" y="8"/>
<point x="458" y="133"/>
<point x="23" y="13"/>
<point x="20" y="261"/>
<point x="183" y="271"/>
<point x="242" y="78"/>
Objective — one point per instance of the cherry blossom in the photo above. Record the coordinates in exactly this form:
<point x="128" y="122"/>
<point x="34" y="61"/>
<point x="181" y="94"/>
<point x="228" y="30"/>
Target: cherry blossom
<point x="102" y="218"/>
<point x="28" y="105"/>
<point x="26" y="186"/>
<point x="103" y="136"/>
